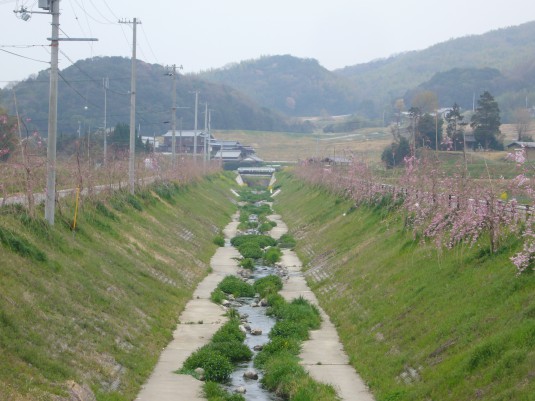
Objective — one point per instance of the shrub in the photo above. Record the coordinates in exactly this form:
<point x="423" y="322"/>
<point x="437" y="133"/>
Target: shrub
<point x="219" y="240"/>
<point x="264" y="227"/>
<point x="268" y="285"/>
<point x="233" y="350"/>
<point x="282" y="373"/>
<point x="229" y="332"/>
<point x="262" y="240"/>
<point x="299" y="310"/>
<point x="289" y="329"/>
<point x="272" y="255"/>
<point x="250" y="250"/>
<point x="247" y="263"/>
<point x="216" y="366"/>
<point x="286" y="241"/>
<point x="217" y="296"/>
<point x="235" y="286"/>
<point x="276" y="347"/>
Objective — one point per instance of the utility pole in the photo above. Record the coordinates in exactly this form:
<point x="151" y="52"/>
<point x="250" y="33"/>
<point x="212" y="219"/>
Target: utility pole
<point x="173" y="118"/>
<point x="195" y="127"/>
<point x="132" y="150"/>
<point x="51" y="7"/>
<point x="173" y="124"/>
<point x="209" y="131"/>
<point x="106" y="84"/>
<point x="50" y="200"/>
<point x="205" y="133"/>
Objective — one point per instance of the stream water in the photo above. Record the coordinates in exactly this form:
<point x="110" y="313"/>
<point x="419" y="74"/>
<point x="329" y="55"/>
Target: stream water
<point x="257" y="319"/>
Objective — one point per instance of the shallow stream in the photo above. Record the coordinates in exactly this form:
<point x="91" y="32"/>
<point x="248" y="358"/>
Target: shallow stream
<point x="257" y="319"/>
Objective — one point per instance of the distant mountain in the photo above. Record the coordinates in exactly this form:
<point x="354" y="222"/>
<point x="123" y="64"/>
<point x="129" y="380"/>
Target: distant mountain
<point x="81" y="100"/>
<point x="294" y="86"/>
<point x="502" y="61"/>
<point x="510" y="51"/>
<point x="461" y="85"/>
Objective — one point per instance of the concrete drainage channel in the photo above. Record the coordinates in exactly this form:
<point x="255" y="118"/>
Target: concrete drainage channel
<point x="323" y="355"/>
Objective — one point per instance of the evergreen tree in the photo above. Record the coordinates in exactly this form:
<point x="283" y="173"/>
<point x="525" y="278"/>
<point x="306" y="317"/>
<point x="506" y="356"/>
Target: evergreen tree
<point x="120" y="139"/>
<point x="394" y="154"/>
<point x="486" y="122"/>
<point x="429" y="130"/>
<point x="455" y="127"/>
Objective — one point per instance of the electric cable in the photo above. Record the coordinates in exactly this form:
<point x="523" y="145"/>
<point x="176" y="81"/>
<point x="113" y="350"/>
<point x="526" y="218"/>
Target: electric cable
<point x="108" y="21"/>
<point x="28" y="58"/>
<point x="148" y="43"/>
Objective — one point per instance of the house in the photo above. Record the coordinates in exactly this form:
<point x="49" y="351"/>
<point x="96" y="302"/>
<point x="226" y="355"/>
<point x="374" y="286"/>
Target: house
<point x="233" y="151"/>
<point x="529" y="148"/>
<point x="152" y="141"/>
<point x="229" y="155"/>
<point x="185" y="142"/>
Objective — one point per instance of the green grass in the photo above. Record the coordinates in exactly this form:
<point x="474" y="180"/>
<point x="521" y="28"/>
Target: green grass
<point x="214" y="392"/>
<point x="460" y="319"/>
<point x="97" y="305"/>
<point x="218" y="357"/>
<point x="235" y="286"/>
<point x="279" y="357"/>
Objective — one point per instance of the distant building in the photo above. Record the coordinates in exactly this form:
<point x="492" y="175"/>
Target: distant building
<point x="185" y="142"/>
<point x="529" y="148"/>
<point x="153" y="142"/>
<point x="233" y="151"/>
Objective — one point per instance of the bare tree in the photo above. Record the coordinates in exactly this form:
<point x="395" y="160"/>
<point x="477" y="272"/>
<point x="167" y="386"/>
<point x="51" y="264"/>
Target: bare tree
<point x="522" y="123"/>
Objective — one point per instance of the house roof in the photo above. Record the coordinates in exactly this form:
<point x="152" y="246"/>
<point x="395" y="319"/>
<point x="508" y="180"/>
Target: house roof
<point x="253" y="158"/>
<point x="520" y="144"/>
<point x="184" y="134"/>
<point x="228" y="154"/>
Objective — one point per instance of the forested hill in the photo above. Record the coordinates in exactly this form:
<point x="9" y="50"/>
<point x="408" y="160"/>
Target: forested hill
<point x="303" y="87"/>
<point x="510" y="51"/>
<point x="294" y="86"/>
<point x="81" y="100"/>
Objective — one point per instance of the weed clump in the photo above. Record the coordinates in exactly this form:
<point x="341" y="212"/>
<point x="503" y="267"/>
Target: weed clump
<point x="219" y="240"/>
<point x="235" y="286"/>
<point x="268" y="285"/>
<point x="217" y="357"/>
<point x="21" y="246"/>
<point x="286" y="241"/>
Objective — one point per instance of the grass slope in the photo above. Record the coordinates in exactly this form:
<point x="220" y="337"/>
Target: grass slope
<point x="95" y="308"/>
<point x="417" y="324"/>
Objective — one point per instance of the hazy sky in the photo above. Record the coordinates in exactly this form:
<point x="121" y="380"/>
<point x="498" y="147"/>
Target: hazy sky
<point x="212" y="33"/>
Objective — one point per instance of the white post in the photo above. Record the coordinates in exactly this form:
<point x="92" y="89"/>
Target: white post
<point x="50" y="201"/>
<point x="132" y="155"/>
<point x="106" y="86"/>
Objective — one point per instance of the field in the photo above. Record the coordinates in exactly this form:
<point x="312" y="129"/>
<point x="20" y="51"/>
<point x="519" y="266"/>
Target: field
<point x="281" y="146"/>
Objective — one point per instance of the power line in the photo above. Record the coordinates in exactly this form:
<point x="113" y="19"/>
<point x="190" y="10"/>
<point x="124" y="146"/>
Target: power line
<point x="110" y="10"/>
<point x="28" y="58"/>
<point x="108" y="21"/>
<point x="75" y="90"/>
<point x="148" y="43"/>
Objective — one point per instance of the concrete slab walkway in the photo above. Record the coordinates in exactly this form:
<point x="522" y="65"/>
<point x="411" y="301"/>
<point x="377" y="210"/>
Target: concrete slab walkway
<point x="198" y="322"/>
<point x="323" y="355"/>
